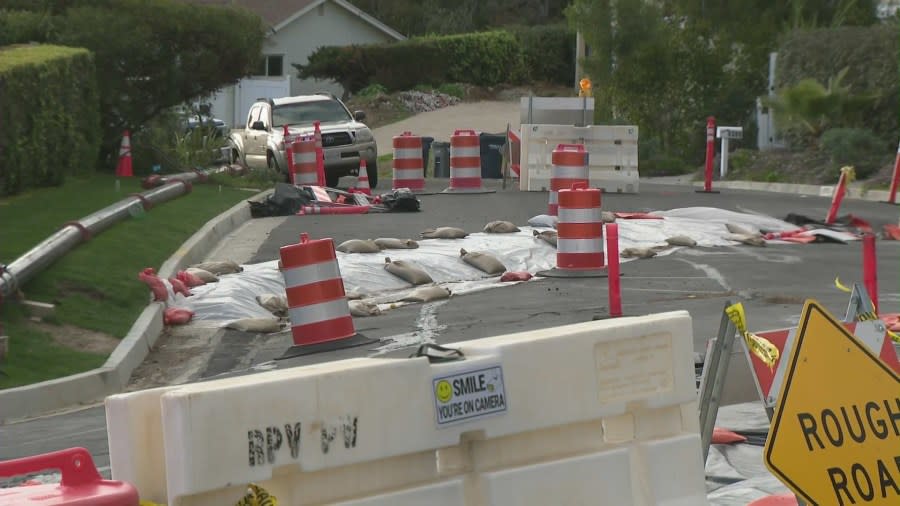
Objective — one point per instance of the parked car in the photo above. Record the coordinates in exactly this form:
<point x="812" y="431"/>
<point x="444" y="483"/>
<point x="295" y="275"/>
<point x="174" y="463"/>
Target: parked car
<point x="345" y="139"/>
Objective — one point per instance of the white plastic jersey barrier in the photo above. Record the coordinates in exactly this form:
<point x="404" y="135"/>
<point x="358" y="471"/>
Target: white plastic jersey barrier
<point x="612" y="155"/>
<point x="595" y="413"/>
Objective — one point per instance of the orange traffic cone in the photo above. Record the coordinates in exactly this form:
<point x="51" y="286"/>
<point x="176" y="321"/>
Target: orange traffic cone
<point x="362" y="184"/>
<point x="123" y="169"/>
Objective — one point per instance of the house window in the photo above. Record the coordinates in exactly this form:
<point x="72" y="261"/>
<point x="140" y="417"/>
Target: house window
<point x="270" y="65"/>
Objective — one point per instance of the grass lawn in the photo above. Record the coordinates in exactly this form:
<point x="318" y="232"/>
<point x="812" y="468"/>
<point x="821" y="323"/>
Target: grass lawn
<point x="95" y="286"/>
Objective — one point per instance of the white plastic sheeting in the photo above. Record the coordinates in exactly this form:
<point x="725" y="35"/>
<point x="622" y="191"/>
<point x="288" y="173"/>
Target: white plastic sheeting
<point x="234" y="296"/>
<point x="736" y="474"/>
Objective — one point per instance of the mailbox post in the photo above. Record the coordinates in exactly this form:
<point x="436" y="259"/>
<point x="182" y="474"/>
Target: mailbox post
<point x="725" y="133"/>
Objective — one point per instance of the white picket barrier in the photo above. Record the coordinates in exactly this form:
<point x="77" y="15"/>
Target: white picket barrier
<point x="595" y="413"/>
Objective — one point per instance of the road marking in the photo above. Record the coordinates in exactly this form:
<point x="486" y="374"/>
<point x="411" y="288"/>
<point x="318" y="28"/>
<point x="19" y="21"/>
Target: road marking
<point x="427" y="331"/>
<point x="711" y="272"/>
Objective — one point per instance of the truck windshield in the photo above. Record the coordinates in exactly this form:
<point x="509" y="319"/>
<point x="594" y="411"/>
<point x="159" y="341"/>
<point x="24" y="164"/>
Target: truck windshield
<point x="304" y="113"/>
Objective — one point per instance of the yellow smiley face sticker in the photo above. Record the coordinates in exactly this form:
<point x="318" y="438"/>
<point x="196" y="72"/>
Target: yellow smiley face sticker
<point x="443" y="391"/>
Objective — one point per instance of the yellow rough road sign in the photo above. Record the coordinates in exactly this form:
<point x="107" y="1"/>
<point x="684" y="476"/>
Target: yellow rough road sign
<point x="835" y="438"/>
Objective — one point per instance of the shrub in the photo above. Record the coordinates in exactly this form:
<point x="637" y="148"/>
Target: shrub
<point x="453" y="89"/>
<point x="548" y="52"/>
<point x="857" y="147"/>
<point x="22" y="26"/>
<point x="484" y="59"/>
<point x="870" y="54"/>
<point x="49" y="135"/>
<point x="372" y="90"/>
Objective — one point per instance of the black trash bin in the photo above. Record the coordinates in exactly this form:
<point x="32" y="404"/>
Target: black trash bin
<point x="426" y="150"/>
<point x="492" y="155"/>
<point x="441" y="159"/>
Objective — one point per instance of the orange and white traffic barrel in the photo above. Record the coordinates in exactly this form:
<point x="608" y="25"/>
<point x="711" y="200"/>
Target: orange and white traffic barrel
<point x="318" y="309"/>
<point x="409" y="166"/>
<point x="304" y="158"/>
<point x="320" y="153"/>
<point x="465" y="163"/>
<point x="579" y="243"/>
<point x="569" y="167"/>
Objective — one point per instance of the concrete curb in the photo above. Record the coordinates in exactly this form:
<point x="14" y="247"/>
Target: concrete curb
<point x="91" y="386"/>
<point x="854" y="191"/>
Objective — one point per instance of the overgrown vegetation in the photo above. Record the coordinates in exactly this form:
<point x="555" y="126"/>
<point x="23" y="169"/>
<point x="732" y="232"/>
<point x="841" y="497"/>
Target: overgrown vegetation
<point x="484" y="59"/>
<point x="52" y="133"/>
<point x="666" y="66"/>
<point x="150" y="54"/>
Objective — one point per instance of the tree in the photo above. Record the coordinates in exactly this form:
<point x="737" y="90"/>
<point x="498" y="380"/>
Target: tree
<point x="152" y="55"/>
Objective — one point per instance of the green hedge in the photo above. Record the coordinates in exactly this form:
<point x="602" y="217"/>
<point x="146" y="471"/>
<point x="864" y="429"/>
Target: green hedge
<point x="871" y="53"/>
<point x="548" y="52"/>
<point x="485" y="59"/>
<point x="22" y="26"/>
<point x="49" y="115"/>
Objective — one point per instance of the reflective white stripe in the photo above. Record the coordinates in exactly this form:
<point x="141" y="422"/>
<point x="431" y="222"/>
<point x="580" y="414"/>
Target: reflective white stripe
<point x="407" y="153"/>
<point x="465" y="172"/>
<point x="312" y="273"/>
<point x="579" y="245"/>
<point x="464" y="151"/>
<point x="310" y="178"/>
<point x="554" y="197"/>
<point x="569" y="172"/>
<point x="319" y="312"/>
<point x="307" y="157"/>
<point x="588" y="215"/>
<point x="409" y="174"/>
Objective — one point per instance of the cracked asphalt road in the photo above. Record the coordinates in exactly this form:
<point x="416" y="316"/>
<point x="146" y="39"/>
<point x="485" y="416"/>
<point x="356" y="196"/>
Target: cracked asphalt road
<point x="772" y="282"/>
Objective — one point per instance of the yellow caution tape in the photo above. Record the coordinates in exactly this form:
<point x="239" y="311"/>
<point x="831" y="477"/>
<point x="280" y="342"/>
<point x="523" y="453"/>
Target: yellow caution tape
<point x="257" y="496"/>
<point x="868" y="316"/>
<point x="840" y="286"/>
<point x="761" y="347"/>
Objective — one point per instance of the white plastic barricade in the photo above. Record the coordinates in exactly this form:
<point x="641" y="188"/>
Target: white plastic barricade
<point x="594" y="413"/>
<point x="612" y="155"/>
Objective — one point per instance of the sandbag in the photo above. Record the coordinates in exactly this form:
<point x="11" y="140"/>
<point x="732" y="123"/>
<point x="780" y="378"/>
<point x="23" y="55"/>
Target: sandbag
<point x="177" y="316"/>
<point x="156" y="285"/>
<point x="358" y="246"/>
<point x="482" y="261"/>
<point x="190" y="280"/>
<point x="273" y="303"/>
<point x="638" y="253"/>
<point x="607" y="217"/>
<point x="748" y="239"/>
<point x="444" y="233"/>
<point x="179" y="287"/>
<point x="543" y="221"/>
<point x="500" y="227"/>
<point x="407" y="272"/>
<point x="362" y="308"/>
<point x="734" y="228"/>
<point x="427" y="294"/>
<point x="203" y="274"/>
<point x="391" y="243"/>
<point x="261" y="325"/>
<point x="511" y="276"/>
<point x="219" y="267"/>
<point x="548" y="236"/>
<point x="681" y="240"/>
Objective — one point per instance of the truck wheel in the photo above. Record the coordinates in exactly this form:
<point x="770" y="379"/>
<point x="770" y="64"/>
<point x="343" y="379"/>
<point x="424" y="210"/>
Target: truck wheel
<point x="331" y="180"/>
<point x="275" y="170"/>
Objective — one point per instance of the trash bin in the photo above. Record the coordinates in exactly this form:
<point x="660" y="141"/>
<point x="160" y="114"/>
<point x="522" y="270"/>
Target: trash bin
<point x="441" y="159"/>
<point x="426" y="150"/>
<point x="492" y="155"/>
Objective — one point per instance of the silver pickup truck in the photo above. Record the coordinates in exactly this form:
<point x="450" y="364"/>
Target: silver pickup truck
<point x="345" y="139"/>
